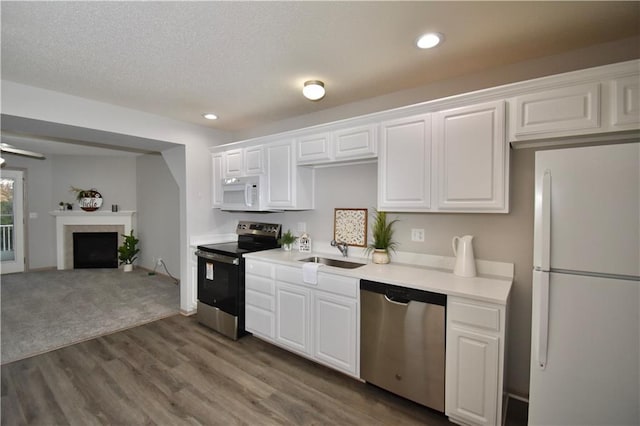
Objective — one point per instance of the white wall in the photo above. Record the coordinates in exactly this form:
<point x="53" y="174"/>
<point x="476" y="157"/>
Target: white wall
<point x="158" y="206"/>
<point x="113" y="177"/>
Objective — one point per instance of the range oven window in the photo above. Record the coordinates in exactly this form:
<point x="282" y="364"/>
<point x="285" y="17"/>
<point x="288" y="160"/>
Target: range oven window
<point x="218" y="284"/>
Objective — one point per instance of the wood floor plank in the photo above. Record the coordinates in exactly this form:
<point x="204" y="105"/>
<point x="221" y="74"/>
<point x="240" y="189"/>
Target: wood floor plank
<point x="175" y="371"/>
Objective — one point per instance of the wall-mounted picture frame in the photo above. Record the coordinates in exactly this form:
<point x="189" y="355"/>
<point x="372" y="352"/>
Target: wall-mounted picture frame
<point x="350" y="226"/>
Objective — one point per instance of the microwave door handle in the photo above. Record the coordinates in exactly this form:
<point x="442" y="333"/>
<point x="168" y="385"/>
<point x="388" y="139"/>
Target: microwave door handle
<point x="247" y="195"/>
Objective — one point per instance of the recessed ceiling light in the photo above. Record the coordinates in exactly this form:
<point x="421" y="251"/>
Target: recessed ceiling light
<point x="210" y="116"/>
<point x="427" y="41"/>
<point x="313" y="90"/>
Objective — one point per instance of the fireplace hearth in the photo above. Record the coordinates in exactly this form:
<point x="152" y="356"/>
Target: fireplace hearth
<point x="95" y="250"/>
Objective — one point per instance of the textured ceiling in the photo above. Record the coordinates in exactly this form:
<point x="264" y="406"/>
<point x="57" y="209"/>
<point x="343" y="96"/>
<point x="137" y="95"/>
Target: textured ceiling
<point x="246" y="61"/>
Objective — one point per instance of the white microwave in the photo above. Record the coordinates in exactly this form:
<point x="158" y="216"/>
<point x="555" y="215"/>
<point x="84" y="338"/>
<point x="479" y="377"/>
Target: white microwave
<point x="243" y="194"/>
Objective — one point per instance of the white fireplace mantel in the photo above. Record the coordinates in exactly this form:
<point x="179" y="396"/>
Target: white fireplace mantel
<point x="79" y="217"/>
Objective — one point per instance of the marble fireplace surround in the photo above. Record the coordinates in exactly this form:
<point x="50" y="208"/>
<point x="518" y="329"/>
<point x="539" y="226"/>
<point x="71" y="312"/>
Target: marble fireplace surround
<point x="68" y="222"/>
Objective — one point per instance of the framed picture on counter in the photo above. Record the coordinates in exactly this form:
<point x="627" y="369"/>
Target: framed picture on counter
<point x="350" y="226"/>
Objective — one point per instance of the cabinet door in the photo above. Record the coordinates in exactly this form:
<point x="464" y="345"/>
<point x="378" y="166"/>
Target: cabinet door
<point x="562" y="112"/>
<point x="253" y="160"/>
<point x="355" y="143"/>
<point x="216" y="179"/>
<point x="335" y="331"/>
<point x="404" y="164"/>
<point x="472" y="158"/>
<point x="280" y="175"/>
<point x="233" y="165"/>
<point x="314" y="148"/>
<point x="472" y="389"/>
<point x="293" y="315"/>
<point x="626" y="102"/>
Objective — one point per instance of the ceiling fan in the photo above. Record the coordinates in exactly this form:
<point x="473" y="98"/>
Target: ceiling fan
<point x="5" y="147"/>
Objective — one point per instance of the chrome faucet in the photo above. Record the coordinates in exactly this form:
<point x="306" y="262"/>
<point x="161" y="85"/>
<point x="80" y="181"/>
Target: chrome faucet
<point x="342" y="246"/>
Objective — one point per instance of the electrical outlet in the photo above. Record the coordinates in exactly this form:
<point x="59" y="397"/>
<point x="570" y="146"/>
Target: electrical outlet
<point x="159" y="261"/>
<point x="417" y="235"/>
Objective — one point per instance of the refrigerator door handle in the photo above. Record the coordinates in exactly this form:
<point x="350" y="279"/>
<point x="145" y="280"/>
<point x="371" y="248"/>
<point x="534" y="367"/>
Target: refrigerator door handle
<point x="542" y="232"/>
<point x="541" y="292"/>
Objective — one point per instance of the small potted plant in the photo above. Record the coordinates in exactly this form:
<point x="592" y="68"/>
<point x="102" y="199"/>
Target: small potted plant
<point x="382" y="233"/>
<point x="61" y="205"/>
<point x="127" y="252"/>
<point x="287" y="240"/>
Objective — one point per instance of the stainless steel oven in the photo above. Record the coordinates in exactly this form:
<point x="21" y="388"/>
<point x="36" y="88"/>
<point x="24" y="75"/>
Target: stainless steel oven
<point x="221" y="276"/>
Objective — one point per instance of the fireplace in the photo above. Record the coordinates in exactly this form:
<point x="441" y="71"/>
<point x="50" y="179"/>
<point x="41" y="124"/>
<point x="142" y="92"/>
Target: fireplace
<point x="95" y="250"/>
<point x="69" y="222"/>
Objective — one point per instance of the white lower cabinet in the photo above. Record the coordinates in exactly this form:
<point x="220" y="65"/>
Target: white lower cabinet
<point x="335" y="319"/>
<point x="320" y="322"/>
<point x="293" y="317"/>
<point x="474" y="361"/>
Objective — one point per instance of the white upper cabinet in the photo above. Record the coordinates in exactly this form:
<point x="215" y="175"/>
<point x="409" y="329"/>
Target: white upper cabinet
<point x="562" y="111"/>
<point x="233" y="161"/>
<point x="404" y="164"/>
<point x="254" y="160"/>
<point x="355" y="143"/>
<point x="243" y="161"/>
<point x="472" y="159"/>
<point x="626" y="102"/>
<point x="350" y="144"/>
<point x="288" y="186"/>
<point x="314" y="148"/>
<point x="461" y="164"/>
<point x="583" y="105"/>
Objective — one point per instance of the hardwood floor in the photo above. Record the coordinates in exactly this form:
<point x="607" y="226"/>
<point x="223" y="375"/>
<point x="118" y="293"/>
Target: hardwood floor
<point x="175" y="372"/>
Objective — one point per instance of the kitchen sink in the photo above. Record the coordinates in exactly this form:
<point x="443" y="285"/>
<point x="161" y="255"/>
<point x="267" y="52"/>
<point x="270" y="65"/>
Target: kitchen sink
<point x="333" y="262"/>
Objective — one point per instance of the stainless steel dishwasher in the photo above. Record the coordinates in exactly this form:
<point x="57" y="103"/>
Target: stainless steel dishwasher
<point x="402" y="334"/>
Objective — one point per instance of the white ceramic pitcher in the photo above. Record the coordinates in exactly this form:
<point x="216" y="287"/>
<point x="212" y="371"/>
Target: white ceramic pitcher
<point x="463" y="251"/>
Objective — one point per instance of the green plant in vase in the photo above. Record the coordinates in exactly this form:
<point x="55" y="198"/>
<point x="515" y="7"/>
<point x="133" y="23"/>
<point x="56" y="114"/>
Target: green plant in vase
<point x="382" y="236"/>
<point x="287" y="240"/>
<point x="127" y="252"/>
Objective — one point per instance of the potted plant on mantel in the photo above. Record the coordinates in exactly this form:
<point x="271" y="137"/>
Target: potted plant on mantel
<point x="127" y="252"/>
<point x="382" y="233"/>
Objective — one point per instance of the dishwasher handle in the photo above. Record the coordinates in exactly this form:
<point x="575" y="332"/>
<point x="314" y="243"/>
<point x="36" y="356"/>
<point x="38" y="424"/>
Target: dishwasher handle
<point x="403" y="295"/>
<point x="396" y="300"/>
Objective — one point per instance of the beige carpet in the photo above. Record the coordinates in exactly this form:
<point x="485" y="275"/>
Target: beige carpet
<point x="46" y="310"/>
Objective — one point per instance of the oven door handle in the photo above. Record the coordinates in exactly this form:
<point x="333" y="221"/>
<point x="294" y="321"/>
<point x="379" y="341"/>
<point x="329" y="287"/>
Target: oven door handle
<point x="218" y="257"/>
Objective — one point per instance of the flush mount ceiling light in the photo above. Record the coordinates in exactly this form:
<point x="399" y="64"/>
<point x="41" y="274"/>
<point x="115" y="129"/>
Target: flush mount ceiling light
<point x="313" y="90"/>
<point x="429" y="40"/>
<point x="210" y="116"/>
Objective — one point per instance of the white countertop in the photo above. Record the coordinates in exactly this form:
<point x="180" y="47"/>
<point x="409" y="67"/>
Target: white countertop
<point x="488" y="288"/>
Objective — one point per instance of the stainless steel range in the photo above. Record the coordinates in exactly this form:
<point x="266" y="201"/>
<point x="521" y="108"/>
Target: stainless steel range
<point x="221" y="276"/>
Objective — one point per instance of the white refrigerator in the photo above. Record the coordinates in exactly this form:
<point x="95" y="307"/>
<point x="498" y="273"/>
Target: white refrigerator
<point x="585" y="340"/>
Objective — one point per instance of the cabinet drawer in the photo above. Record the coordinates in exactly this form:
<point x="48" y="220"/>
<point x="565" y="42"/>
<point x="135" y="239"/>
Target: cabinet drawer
<point x="260" y="284"/>
<point x="289" y="274"/>
<point x="259" y="268"/>
<point x="260" y="300"/>
<point x="474" y="315"/>
<point x="338" y="285"/>
<point x="260" y="322"/>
